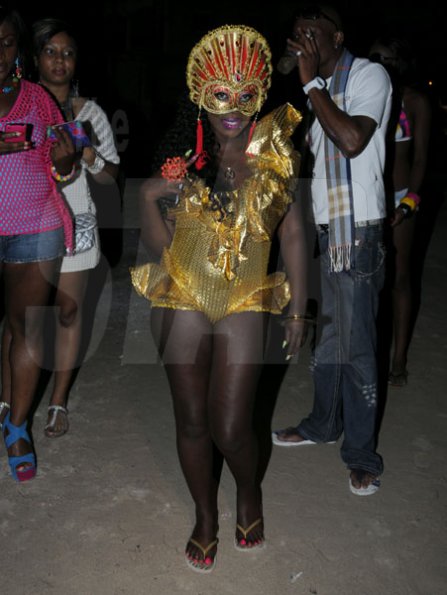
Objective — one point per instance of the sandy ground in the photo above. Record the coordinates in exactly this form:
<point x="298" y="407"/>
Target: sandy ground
<point x="109" y="512"/>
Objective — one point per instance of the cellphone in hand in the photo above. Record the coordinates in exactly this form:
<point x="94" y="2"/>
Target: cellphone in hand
<point x="75" y="130"/>
<point x="22" y="132"/>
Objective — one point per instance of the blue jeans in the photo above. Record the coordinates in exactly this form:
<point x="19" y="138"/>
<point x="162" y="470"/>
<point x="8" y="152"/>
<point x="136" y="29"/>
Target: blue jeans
<point x="345" y="365"/>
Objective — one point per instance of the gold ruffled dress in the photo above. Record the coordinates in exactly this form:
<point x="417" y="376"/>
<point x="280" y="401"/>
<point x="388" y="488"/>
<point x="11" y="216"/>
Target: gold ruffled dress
<point x="218" y="265"/>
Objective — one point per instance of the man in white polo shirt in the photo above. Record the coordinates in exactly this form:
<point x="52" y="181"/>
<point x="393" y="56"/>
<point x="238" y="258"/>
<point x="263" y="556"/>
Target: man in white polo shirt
<point x="350" y="99"/>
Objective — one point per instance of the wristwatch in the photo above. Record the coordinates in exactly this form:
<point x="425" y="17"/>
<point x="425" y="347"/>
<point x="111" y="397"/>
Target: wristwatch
<point x="316" y="83"/>
<point x="97" y="166"/>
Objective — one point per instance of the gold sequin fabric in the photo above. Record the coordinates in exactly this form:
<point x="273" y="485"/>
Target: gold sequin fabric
<point x="217" y="263"/>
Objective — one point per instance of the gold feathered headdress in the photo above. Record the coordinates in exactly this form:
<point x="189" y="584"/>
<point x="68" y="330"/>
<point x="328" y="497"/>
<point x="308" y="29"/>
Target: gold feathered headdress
<point x="230" y="70"/>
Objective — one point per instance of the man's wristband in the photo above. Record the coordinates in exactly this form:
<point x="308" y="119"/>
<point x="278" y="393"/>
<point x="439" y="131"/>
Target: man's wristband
<point x="407" y="200"/>
<point x="415" y="197"/>
<point x="316" y="83"/>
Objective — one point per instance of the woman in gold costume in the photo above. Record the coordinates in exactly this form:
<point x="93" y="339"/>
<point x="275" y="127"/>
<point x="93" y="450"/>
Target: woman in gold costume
<point x="210" y="291"/>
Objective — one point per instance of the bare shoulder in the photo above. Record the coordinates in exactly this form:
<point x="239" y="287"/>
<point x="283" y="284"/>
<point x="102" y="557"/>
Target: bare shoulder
<point x="416" y="101"/>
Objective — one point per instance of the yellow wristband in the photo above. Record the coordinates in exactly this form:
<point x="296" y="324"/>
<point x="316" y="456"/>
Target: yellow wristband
<point x="409" y="201"/>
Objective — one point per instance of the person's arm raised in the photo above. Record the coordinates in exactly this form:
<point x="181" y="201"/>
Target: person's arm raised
<point x="350" y="134"/>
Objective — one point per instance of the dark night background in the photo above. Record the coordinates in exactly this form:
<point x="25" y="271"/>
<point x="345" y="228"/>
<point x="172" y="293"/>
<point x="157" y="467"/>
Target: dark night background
<point x="133" y="54"/>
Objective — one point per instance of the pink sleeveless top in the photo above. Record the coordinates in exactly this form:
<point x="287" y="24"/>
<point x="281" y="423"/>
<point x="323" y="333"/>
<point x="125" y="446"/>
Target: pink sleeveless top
<point x="29" y="199"/>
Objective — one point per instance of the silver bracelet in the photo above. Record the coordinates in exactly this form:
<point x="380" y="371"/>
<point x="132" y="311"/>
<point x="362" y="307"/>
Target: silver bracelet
<point x="97" y="166"/>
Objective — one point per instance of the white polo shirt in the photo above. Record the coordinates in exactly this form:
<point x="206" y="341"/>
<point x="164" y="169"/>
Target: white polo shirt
<point x="368" y="93"/>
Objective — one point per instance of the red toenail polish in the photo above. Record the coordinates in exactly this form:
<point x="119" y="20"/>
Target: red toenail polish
<point x="208" y="561"/>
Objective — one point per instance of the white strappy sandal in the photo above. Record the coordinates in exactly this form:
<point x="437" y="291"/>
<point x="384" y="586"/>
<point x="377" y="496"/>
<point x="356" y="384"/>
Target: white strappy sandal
<point x="56" y="410"/>
<point x="3" y="405"/>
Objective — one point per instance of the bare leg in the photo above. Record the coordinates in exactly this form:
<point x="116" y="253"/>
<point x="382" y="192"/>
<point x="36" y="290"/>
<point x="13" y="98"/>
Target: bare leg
<point x="27" y="290"/>
<point x="213" y="374"/>
<point x="238" y="352"/>
<point x="402" y="299"/>
<point x="185" y="344"/>
<point x="6" y="372"/>
<point x="69" y="298"/>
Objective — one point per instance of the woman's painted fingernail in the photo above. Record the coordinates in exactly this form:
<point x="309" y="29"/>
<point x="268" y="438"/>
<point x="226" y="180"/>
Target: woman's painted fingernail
<point x="284" y="344"/>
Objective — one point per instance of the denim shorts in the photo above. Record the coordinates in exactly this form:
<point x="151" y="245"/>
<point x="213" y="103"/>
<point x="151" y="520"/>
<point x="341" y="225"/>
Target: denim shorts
<point x="33" y="247"/>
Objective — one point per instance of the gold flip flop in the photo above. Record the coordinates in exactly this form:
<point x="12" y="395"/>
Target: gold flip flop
<point x="242" y="544"/>
<point x="206" y="564"/>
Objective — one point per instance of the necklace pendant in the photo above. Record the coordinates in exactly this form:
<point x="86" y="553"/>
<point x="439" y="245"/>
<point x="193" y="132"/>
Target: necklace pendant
<point x="230" y="174"/>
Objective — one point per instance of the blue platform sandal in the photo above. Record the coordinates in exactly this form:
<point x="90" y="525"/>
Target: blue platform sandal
<point x="15" y="433"/>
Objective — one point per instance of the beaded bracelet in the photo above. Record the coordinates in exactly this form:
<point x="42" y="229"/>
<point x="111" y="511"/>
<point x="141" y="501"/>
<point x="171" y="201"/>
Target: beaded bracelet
<point x="60" y="177"/>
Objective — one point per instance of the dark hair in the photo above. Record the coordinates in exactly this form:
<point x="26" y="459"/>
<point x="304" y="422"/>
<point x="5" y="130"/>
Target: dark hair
<point x="405" y="72"/>
<point x="13" y="17"/>
<point x="45" y="29"/>
<point x="181" y="137"/>
<point x="327" y="10"/>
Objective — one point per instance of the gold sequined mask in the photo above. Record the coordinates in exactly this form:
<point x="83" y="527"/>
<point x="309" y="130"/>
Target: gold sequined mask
<point x="218" y="98"/>
<point x="230" y="70"/>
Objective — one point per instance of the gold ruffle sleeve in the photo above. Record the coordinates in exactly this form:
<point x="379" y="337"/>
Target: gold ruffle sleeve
<point x="219" y="266"/>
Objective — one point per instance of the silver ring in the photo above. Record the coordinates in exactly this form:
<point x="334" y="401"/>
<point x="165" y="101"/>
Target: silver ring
<point x="298" y="53"/>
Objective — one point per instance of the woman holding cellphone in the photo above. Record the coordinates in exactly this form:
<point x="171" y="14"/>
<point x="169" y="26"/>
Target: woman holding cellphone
<point x="55" y="53"/>
<point x="34" y="225"/>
